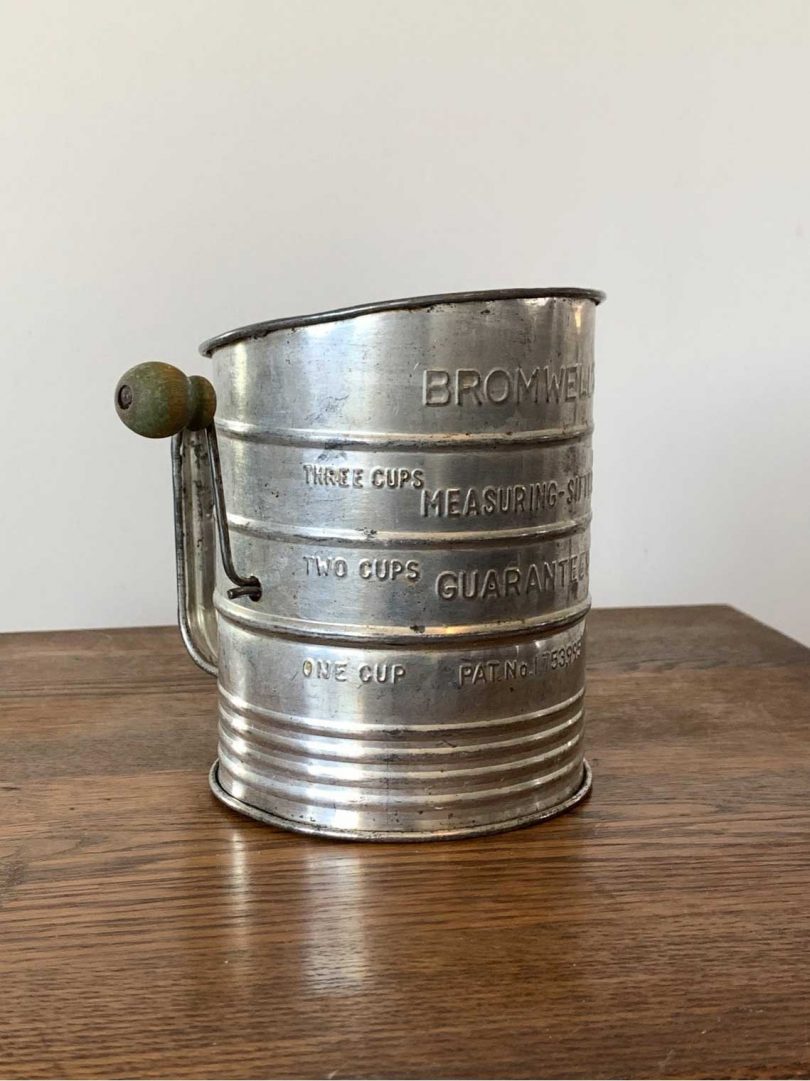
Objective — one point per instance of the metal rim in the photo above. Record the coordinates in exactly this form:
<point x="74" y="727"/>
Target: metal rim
<point x="379" y="835"/>
<point x="261" y="330"/>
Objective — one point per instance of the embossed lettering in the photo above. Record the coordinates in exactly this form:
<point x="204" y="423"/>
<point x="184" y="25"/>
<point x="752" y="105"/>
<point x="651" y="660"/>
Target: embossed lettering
<point x="436" y="387"/>
<point x="385" y="477"/>
<point x="526" y="386"/>
<point x="323" y="566"/>
<point x="434" y="502"/>
<point x="494" y="583"/>
<point x="453" y="502"/>
<point x="468" y="382"/>
<point x="511" y="582"/>
<point x="520" y="499"/>
<point x="320" y="669"/>
<point x="447" y="585"/>
<point x="499" y="386"/>
<point x="579" y="488"/>
<point x="388" y="570"/>
<point x="554" y="382"/>
<point x="500" y="670"/>
<point x="327" y="476"/>
<point x="381" y="672"/>
<point x="332" y="476"/>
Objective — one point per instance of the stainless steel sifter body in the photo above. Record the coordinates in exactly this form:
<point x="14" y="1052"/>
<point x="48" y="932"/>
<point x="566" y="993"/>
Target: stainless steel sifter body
<point x="397" y="622"/>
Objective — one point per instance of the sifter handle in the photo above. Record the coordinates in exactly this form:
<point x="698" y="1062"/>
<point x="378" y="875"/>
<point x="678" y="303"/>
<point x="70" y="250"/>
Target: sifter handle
<point x="157" y="400"/>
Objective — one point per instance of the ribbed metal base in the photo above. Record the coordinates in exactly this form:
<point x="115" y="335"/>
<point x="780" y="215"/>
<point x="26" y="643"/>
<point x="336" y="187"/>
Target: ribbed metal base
<point x="381" y="835"/>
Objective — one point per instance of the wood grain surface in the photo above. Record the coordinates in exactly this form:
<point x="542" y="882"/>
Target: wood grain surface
<point x="662" y="929"/>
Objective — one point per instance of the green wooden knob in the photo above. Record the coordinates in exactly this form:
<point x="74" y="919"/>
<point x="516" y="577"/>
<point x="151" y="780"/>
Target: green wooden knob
<point x="157" y="400"/>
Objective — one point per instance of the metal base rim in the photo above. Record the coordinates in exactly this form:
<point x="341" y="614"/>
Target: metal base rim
<point x="382" y="835"/>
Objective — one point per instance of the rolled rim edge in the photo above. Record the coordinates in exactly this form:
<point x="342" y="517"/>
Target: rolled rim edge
<point x="389" y="835"/>
<point x="336" y="315"/>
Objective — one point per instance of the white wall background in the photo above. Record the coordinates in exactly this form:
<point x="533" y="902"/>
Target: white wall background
<point x="173" y="168"/>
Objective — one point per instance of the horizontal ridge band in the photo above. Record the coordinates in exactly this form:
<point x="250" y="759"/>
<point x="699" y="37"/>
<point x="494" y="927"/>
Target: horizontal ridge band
<point x="381" y="538"/>
<point x="362" y="730"/>
<point x="428" y="636"/>
<point x="423" y="441"/>
<point x="382" y="750"/>
<point x="376" y="774"/>
<point x="340" y="794"/>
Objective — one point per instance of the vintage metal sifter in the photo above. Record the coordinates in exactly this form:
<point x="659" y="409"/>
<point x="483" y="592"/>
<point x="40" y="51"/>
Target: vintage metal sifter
<point x="382" y="522"/>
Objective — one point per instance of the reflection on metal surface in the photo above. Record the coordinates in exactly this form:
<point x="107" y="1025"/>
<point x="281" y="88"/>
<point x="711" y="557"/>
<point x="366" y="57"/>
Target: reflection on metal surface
<point x="336" y="953"/>
<point x="195" y="538"/>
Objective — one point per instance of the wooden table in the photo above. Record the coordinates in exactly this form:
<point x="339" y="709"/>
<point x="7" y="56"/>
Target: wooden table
<point x="660" y="930"/>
